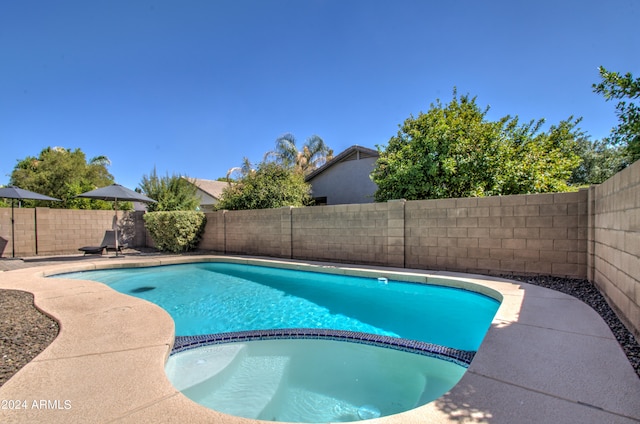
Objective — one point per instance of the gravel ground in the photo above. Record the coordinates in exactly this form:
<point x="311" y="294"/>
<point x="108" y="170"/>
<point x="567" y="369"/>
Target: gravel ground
<point x="25" y="331"/>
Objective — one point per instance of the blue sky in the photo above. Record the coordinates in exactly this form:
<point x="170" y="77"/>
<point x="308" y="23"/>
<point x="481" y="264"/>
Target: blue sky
<point x="192" y="87"/>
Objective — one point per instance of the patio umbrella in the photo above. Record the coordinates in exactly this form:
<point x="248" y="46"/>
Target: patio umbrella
<point x="114" y="193"/>
<point x="12" y="193"/>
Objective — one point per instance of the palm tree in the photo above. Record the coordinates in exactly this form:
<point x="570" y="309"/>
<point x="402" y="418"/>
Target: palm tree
<point x="239" y="172"/>
<point x="100" y="161"/>
<point x="314" y="153"/>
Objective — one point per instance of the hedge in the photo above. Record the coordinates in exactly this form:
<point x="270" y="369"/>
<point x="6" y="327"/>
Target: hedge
<point x="175" y="231"/>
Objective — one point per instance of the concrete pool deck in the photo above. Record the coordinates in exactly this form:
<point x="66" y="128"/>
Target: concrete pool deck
<point x="547" y="358"/>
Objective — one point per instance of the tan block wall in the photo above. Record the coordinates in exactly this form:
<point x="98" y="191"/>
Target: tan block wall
<point x="615" y="243"/>
<point x="523" y="234"/>
<point x="214" y="238"/>
<point x="258" y="232"/>
<point x="63" y="231"/>
<point x="357" y="233"/>
<point x="24" y="231"/>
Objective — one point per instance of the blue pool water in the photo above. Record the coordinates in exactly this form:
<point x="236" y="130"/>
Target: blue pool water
<point x="309" y="380"/>
<point x="317" y="379"/>
<point x="207" y="298"/>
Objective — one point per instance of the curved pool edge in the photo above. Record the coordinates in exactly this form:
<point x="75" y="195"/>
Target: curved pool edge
<point x="110" y="340"/>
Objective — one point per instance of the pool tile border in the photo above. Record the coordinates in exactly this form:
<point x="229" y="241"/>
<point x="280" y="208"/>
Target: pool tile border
<point x="459" y="357"/>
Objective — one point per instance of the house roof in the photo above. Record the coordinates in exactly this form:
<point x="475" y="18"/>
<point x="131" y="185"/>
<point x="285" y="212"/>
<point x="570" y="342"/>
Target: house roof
<point x="211" y="187"/>
<point x="352" y="153"/>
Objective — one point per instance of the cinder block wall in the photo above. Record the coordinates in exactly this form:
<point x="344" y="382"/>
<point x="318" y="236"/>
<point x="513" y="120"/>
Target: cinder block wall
<point x="258" y="232"/>
<point x="616" y="243"/>
<point x="63" y="231"/>
<point x="24" y="235"/>
<point x="358" y="233"/>
<point x="213" y="238"/>
<point x="66" y="230"/>
<point x="523" y="234"/>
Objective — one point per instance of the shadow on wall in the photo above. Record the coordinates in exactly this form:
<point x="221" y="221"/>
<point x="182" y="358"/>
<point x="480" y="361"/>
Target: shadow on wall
<point x="126" y="229"/>
<point x="3" y="246"/>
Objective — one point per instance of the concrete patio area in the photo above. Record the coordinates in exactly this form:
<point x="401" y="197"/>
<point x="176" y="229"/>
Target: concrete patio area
<point x="547" y="358"/>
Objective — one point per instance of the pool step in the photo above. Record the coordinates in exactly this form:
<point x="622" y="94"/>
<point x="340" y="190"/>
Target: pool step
<point x="296" y="402"/>
<point x="194" y="367"/>
<point x="249" y="389"/>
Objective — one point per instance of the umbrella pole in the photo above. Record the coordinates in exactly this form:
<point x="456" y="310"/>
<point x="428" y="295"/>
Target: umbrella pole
<point x="13" y="239"/>
<point x="35" y="226"/>
<point x="115" y="206"/>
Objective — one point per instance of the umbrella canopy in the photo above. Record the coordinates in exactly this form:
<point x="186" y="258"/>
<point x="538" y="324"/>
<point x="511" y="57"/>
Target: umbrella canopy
<point x="116" y="192"/>
<point x="12" y="192"/>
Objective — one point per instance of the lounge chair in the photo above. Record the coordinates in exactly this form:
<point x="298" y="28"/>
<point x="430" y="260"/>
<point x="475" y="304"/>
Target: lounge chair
<point x="108" y="242"/>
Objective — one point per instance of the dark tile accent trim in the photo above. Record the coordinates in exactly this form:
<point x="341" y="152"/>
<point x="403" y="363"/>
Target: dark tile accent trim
<point x="459" y="357"/>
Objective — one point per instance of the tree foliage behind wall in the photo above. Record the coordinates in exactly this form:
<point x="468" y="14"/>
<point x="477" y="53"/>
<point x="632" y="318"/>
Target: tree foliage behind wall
<point x="454" y="151"/>
<point x="600" y="160"/>
<point x="268" y="186"/>
<point x="63" y="174"/>
<point x="313" y="154"/>
<point x="626" y="89"/>
<point x="172" y="193"/>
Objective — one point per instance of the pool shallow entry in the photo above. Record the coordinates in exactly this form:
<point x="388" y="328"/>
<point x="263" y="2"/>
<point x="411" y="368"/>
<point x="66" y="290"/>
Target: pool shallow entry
<point x="310" y="380"/>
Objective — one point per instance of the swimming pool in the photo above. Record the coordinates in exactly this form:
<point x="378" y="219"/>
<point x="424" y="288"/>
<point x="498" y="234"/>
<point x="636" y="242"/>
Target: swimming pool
<point x="233" y="299"/>
<point x="309" y="380"/>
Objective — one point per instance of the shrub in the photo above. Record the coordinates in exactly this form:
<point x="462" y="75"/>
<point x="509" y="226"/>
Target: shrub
<point x="270" y="186"/>
<point x="175" y="231"/>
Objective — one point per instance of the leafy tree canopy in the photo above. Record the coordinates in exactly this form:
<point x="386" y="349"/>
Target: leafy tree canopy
<point x="269" y="186"/>
<point x="624" y="88"/>
<point x="314" y="153"/>
<point x="63" y="174"/>
<point x="172" y="193"/>
<point x="454" y="151"/>
<point x="600" y="160"/>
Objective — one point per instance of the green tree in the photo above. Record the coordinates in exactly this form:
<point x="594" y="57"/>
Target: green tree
<point x="269" y="186"/>
<point x="624" y="88"/>
<point x="454" y="151"/>
<point x="600" y="161"/>
<point x="314" y="153"/>
<point x="538" y="162"/>
<point x="172" y="193"/>
<point x="63" y="173"/>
